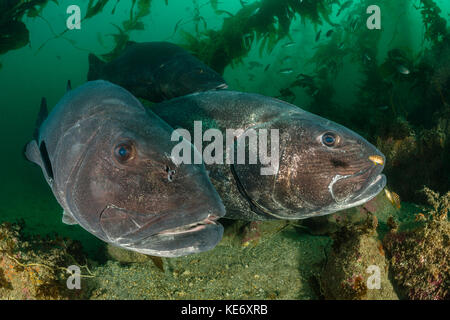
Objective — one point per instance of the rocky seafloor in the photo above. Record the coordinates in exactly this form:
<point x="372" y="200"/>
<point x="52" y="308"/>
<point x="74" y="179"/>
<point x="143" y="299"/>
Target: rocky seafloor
<point x="330" y="257"/>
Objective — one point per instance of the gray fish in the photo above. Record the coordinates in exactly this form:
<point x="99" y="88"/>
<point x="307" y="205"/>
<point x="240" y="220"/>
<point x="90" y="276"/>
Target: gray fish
<point x="323" y="167"/>
<point x="288" y="44"/>
<point x="156" y="71"/>
<point x="286" y="71"/>
<point x="254" y="64"/>
<point x="107" y="160"/>
<point x="403" y="70"/>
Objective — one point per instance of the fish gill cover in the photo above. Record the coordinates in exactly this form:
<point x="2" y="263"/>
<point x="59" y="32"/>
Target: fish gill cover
<point x="392" y="86"/>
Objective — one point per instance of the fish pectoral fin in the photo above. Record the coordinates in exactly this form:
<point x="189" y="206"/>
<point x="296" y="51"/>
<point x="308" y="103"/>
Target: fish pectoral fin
<point x="32" y="153"/>
<point x="68" y="218"/>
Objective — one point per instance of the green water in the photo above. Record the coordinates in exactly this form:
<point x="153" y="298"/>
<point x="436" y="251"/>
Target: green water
<point x="43" y="67"/>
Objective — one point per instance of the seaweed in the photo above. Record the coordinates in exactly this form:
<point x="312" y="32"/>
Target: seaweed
<point x="121" y="38"/>
<point x="267" y="21"/>
<point x="435" y="25"/>
<point x="94" y="8"/>
<point x="135" y="23"/>
<point x="15" y="34"/>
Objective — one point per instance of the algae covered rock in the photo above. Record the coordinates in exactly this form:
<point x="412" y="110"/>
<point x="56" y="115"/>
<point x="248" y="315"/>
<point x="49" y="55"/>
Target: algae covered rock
<point x="356" y="267"/>
<point x="36" y="268"/>
<point x="420" y="258"/>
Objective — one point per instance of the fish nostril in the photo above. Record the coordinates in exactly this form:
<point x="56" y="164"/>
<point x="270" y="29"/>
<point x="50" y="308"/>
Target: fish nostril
<point x="170" y="174"/>
<point x="377" y="160"/>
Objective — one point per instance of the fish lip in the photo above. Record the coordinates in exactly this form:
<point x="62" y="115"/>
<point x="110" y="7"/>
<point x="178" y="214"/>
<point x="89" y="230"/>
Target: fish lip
<point x="373" y="176"/>
<point x="192" y="227"/>
<point x="376" y="184"/>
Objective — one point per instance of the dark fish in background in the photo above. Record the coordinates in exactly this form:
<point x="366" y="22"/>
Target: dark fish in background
<point x="329" y="33"/>
<point x="219" y="12"/>
<point x="366" y="58"/>
<point x="287" y="94"/>
<point x="254" y="64"/>
<point x="344" y="6"/>
<point x="107" y="160"/>
<point x="354" y="24"/>
<point x="305" y="76"/>
<point x="156" y="71"/>
<point x="286" y="59"/>
<point x="267" y="67"/>
<point x="318" y="35"/>
<point x="323" y="167"/>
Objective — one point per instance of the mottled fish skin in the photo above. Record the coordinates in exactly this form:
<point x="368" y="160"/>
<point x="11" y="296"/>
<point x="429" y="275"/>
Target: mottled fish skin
<point x="156" y="71"/>
<point x="113" y="174"/>
<point x="312" y="179"/>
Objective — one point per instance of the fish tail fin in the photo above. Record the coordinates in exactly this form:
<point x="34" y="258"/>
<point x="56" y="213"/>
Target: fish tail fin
<point x="95" y="67"/>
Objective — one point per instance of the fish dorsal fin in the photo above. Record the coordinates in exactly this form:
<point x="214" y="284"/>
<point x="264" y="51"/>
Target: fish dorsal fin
<point x="95" y="67"/>
<point x="46" y="160"/>
<point x="42" y="115"/>
<point x="69" y="86"/>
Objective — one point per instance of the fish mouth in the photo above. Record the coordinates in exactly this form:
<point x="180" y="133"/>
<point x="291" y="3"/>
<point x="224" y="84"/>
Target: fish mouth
<point x="365" y="185"/>
<point x="170" y="234"/>
<point x="193" y="227"/>
<point x="373" y="188"/>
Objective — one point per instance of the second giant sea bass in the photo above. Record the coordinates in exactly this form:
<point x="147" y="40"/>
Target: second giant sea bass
<point x="156" y="71"/>
<point x="322" y="167"/>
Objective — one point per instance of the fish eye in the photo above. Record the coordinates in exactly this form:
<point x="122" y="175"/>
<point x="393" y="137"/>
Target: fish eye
<point x="329" y="139"/>
<point x="124" y="151"/>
